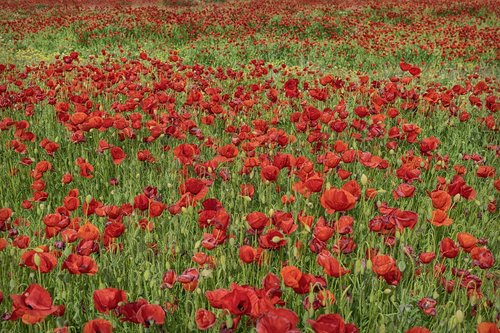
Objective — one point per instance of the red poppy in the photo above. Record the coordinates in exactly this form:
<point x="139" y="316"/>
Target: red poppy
<point x="482" y="257"/>
<point x="237" y="302"/>
<point x="448" y="248"/>
<point x="418" y="329"/>
<point x="278" y="320"/>
<point x="487" y="327"/>
<point x="403" y="191"/>
<point x="204" y="319"/>
<point x="98" y="326"/>
<point x="428" y="306"/>
<point x="33" y="305"/>
<point x="467" y="241"/>
<point x="257" y="220"/>
<point x="169" y="278"/>
<point x="39" y="259"/>
<point x="440" y="218"/>
<point x="77" y="264"/>
<point x="331" y="323"/>
<point x="248" y="254"/>
<point x="440" y="200"/>
<point x="337" y="200"/>
<point x="108" y="299"/>
<point x="118" y="155"/>
<point x="486" y="171"/>
<point x="247" y="190"/>
<point x="426" y="257"/>
<point x="291" y="276"/>
<point x="272" y="239"/>
<point x="331" y="266"/>
<point x="186" y="153"/>
<point x="269" y="173"/>
<point x="151" y="314"/>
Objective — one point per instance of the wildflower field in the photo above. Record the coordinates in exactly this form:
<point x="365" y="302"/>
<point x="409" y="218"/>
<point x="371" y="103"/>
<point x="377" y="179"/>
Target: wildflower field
<point x="249" y="166"/>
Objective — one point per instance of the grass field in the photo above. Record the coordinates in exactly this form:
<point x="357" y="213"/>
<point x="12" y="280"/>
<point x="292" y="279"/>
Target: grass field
<point x="249" y="166"/>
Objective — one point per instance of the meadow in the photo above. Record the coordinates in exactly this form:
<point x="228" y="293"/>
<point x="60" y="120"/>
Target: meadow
<point x="249" y="166"/>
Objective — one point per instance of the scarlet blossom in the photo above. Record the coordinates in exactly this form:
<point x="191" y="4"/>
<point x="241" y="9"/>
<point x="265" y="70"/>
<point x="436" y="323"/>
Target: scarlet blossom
<point x="448" y="248"/>
<point x="169" y="278"/>
<point x="248" y="254"/>
<point x="487" y="327"/>
<point x="186" y="153"/>
<point x="278" y="320"/>
<point x="108" y="299"/>
<point x="77" y="264"/>
<point x="237" y="301"/>
<point x="428" y="306"/>
<point x="33" y="305"/>
<point x="440" y="200"/>
<point x="440" y="218"/>
<point x="272" y="239"/>
<point x="337" y="200"/>
<point x="331" y="266"/>
<point x="331" y="323"/>
<point x="39" y="259"/>
<point x="291" y="276"/>
<point x="467" y="241"/>
<point x="426" y="257"/>
<point x="269" y="173"/>
<point x="482" y="257"/>
<point x="204" y="319"/>
<point x="151" y="313"/>
<point x="98" y="326"/>
<point x="257" y="220"/>
<point x="247" y="190"/>
<point x="485" y="171"/>
<point x="403" y="191"/>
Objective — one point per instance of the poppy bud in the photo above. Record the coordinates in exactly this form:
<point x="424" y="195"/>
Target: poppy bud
<point x="364" y="180"/>
<point x="457" y="198"/>
<point x="88" y="198"/>
<point x="459" y="316"/>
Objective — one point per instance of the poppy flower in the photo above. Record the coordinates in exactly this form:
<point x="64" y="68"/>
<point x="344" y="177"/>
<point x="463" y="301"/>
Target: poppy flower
<point x="257" y="220"/>
<point x="98" y="326"/>
<point x="33" y="305"/>
<point x="204" y="319"/>
<point x="247" y="254"/>
<point x="108" y="299"/>
<point x="485" y="171"/>
<point x="291" y="276"/>
<point x="448" y="248"/>
<point x="403" y="191"/>
<point x="118" y="155"/>
<point x="39" y="259"/>
<point x="269" y="173"/>
<point x="428" y="306"/>
<point x="426" y="257"/>
<point x="440" y="218"/>
<point x="237" y="302"/>
<point x="77" y="264"/>
<point x="272" y="239"/>
<point x="169" y="278"/>
<point x="440" y="200"/>
<point x="278" y="320"/>
<point x="487" y="327"/>
<point x="482" y="257"/>
<point x="330" y="323"/>
<point x="331" y="266"/>
<point x="337" y="200"/>
<point x="467" y="241"/>
<point x="150" y="314"/>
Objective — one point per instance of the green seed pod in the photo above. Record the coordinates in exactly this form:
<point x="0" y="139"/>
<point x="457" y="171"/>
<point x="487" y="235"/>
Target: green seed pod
<point x="459" y="315"/>
<point x="381" y="328"/>
<point x="357" y="267"/>
<point x="147" y="274"/>
<point x="88" y="198"/>
<point x="457" y="198"/>
<point x="387" y="291"/>
<point x="229" y="322"/>
<point x="36" y="260"/>
<point x="369" y="264"/>
<point x="364" y="180"/>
